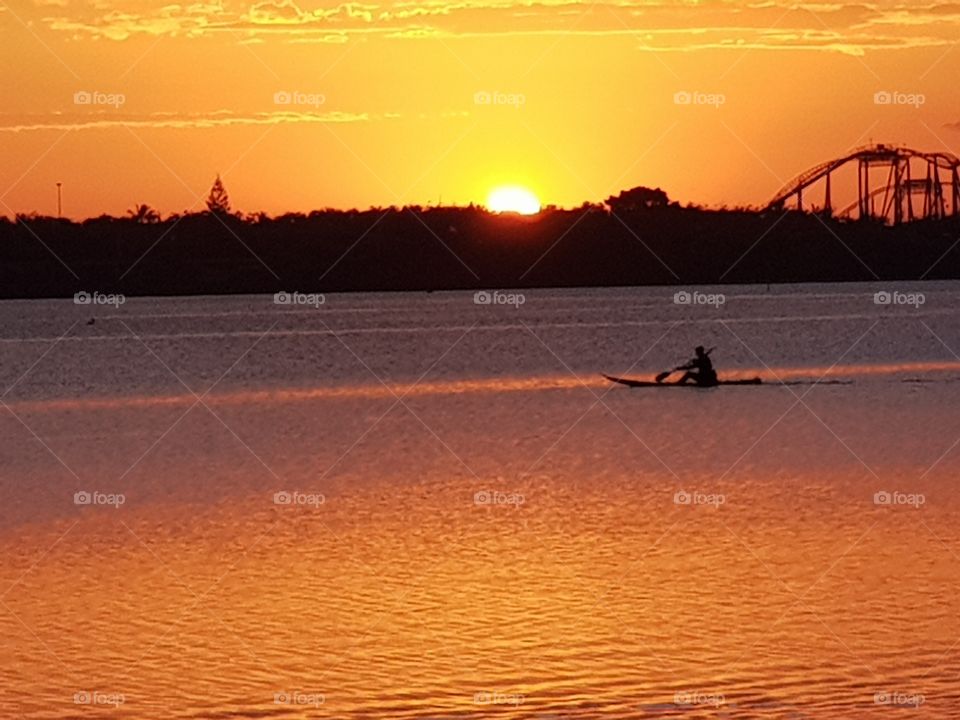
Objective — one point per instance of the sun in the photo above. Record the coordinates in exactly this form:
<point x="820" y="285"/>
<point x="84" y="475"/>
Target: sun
<point x="512" y="198"/>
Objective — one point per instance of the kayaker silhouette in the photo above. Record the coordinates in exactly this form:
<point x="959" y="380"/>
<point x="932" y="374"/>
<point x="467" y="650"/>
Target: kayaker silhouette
<point x="699" y="369"/>
<point x="699" y="374"/>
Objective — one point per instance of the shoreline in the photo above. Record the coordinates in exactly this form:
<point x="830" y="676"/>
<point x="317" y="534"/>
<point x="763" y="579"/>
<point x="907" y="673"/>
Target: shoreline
<point x="868" y="285"/>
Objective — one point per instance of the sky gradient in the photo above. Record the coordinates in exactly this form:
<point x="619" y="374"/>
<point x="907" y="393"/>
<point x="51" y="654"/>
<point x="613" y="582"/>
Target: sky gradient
<point x="302" y="105"/>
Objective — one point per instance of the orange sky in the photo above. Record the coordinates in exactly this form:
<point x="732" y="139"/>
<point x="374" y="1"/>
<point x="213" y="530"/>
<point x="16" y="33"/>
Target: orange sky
<point x="411" y="102"/>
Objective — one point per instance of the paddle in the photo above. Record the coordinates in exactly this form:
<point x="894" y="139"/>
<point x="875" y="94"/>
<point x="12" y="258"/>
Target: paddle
<point x="666" y="373"/>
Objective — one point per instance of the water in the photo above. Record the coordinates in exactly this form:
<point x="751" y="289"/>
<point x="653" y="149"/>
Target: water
<point x="478" y="524"/>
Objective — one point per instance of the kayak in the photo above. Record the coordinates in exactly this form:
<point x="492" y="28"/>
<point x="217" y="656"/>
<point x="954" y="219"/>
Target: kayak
<point x="649" y="383"/>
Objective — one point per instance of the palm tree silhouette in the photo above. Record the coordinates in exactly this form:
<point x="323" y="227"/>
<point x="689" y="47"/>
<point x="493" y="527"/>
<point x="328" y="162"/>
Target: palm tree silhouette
<point x="143" y="214"/>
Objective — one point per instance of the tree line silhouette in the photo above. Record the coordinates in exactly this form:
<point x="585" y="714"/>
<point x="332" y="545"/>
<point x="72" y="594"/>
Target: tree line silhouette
<point x="638" y="237"/>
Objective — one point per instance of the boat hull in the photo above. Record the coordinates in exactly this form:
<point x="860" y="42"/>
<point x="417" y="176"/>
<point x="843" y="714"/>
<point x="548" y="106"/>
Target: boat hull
<point x="650" y="384"/>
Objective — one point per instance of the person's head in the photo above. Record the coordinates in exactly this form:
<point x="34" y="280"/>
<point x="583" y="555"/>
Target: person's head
<point x="700" y="351"/>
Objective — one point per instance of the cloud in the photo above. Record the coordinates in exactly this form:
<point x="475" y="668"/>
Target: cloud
<point x="108" y="119"/>
<point x="114" y="25"/>
<point x="662" y="25"/>
<point x="284" y="12"/>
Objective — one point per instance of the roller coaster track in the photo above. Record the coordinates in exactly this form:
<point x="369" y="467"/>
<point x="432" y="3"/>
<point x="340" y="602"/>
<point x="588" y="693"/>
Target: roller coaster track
<point x="906" y="195"/>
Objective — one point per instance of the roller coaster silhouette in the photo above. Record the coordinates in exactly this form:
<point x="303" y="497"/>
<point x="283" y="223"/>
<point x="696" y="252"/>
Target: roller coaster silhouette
<point x="918" y="185"/>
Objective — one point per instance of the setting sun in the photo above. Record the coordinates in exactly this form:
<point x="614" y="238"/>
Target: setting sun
<point x="513" y="199"/>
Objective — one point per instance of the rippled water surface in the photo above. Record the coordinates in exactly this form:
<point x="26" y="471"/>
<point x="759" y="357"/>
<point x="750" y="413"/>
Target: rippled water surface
<point x="416" y="506"/>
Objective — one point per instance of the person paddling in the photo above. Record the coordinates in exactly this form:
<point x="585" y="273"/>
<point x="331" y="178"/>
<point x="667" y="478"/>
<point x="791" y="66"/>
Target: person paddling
<point x="699" y="369"/>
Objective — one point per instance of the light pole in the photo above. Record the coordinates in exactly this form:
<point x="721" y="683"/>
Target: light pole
<point x="59" y="201"/>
